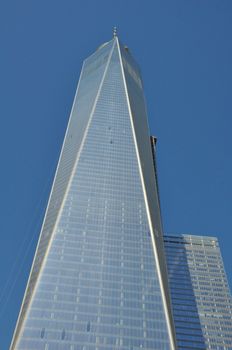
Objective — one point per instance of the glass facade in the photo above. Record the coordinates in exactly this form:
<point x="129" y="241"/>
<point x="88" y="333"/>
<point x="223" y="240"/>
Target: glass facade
<point x="201" y="299"/>
<point x="99" y="280"/>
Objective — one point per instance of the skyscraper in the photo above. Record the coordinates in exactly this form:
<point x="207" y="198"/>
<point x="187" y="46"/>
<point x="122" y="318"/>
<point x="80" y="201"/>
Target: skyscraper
<point x="99" y="278"/>
<point x="201" y="299"/>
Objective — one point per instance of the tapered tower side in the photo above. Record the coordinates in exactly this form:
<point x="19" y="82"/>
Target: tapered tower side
<point x="83" y="105"/>
<point x="139" y="121"/>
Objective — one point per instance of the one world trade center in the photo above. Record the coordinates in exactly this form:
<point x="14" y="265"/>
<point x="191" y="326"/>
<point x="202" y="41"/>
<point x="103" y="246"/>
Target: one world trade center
<point x="99" y="279"/>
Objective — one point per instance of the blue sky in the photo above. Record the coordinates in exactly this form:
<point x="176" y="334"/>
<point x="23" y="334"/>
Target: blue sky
<point x="184" y="49"/>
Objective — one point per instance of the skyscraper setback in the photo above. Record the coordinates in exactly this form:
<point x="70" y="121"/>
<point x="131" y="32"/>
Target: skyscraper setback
<point x="99" y="278"/>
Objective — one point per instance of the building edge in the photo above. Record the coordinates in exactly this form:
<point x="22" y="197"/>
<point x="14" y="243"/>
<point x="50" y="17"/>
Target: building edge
<point x="163" y="281"/>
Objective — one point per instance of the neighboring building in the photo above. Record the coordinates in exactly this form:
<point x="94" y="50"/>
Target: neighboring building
<point x="99" y="278"/>
<point x="201" y="298"/>
<point x="200" y="295"/>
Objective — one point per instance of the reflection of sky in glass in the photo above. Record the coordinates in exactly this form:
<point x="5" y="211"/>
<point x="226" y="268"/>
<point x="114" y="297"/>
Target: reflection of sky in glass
<point x="99" y="287"/>
<point x="201" y="298"/>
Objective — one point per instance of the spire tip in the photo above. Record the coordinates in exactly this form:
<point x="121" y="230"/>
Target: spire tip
<point x="115" y="32"/>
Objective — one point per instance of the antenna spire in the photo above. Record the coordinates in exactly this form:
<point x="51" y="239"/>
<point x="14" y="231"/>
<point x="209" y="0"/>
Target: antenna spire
<point x="115" y="32"/>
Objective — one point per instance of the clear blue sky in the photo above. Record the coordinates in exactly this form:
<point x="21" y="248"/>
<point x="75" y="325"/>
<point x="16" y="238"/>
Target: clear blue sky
<point x="184" y="49"/>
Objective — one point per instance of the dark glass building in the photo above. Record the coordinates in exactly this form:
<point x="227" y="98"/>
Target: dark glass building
<point x="99" y="279"/>
<point x="201" y="299"/>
